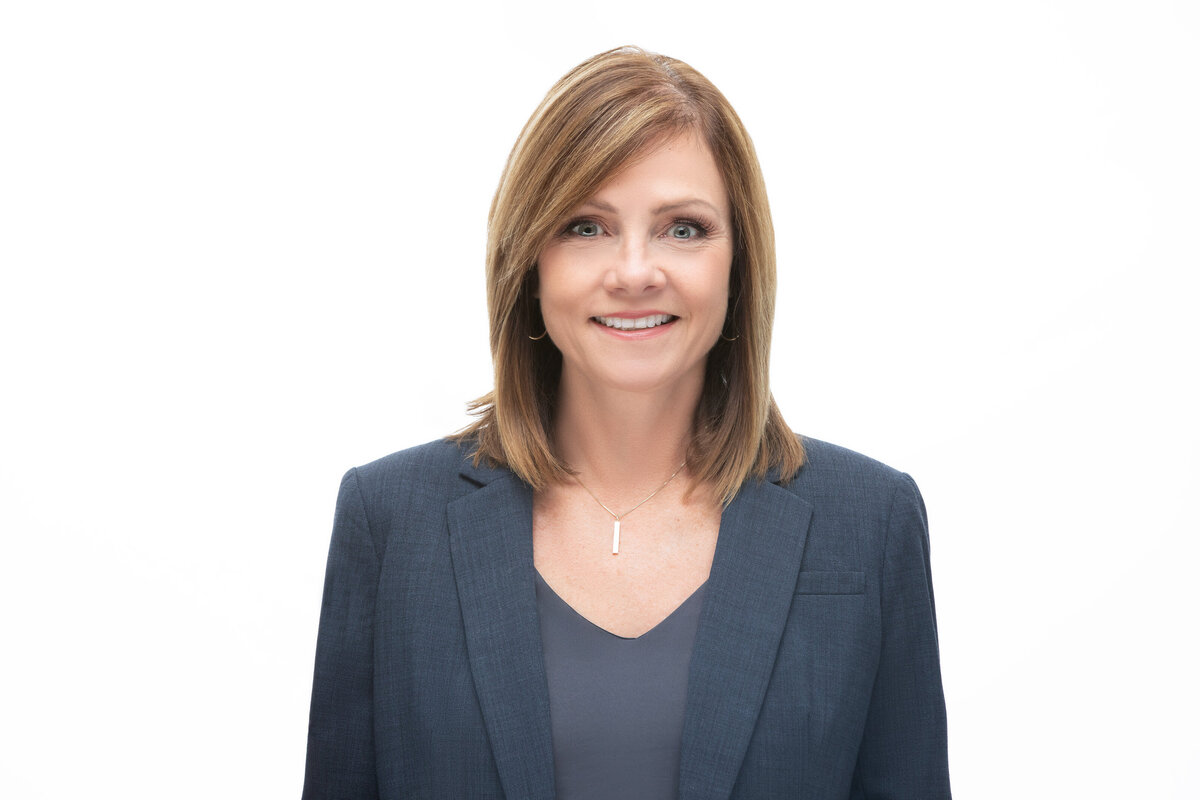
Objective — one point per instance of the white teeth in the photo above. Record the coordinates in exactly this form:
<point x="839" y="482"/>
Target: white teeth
<point x="624" y="324"/>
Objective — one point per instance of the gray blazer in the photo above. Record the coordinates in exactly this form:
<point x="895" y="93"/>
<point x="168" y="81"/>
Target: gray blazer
<point x="814" y="674"/>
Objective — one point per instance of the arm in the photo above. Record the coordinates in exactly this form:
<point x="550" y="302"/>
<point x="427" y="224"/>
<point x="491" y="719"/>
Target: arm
<point x="903" y="751"/>
<point x="341" y="741"/>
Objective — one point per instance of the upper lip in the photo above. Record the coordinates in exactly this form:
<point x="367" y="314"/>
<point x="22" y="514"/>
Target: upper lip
<point x="635" y="322"/>
<point x="634" y="314"/>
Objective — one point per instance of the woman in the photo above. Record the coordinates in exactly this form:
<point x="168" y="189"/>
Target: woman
<point x="628" y="578"/>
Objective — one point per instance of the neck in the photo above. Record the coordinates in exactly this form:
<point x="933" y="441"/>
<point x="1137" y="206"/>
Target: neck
<point x="624" y="443"/>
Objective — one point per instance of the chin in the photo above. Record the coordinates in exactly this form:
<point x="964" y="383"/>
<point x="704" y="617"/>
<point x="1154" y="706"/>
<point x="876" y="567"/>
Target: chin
<point x="642" y="379"/>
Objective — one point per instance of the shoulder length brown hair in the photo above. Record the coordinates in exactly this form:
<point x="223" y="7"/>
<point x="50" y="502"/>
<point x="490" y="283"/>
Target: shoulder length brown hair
<point x="597" y="118"/>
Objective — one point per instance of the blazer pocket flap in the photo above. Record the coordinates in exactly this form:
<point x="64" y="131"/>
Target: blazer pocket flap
<point x="814" y="582"/>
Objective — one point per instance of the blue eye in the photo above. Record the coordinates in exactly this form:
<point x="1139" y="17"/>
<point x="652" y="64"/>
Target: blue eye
<point x="586" y="229"/>
<point x="684" y="231"/>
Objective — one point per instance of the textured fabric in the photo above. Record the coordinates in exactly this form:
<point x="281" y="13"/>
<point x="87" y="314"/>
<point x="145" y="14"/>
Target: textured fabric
<point x="814" y="673"/>
<point x="616" y="703"/>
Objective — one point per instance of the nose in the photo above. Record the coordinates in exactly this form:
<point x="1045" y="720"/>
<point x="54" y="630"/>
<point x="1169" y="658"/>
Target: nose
<point x="633" y="269"/>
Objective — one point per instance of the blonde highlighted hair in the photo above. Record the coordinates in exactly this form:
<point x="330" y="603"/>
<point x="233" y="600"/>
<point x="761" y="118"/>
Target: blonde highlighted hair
<point x="596" y="119"/>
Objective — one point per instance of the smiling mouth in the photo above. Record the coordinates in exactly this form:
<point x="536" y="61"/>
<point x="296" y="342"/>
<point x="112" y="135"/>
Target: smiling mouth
<point x="625" y="324"/>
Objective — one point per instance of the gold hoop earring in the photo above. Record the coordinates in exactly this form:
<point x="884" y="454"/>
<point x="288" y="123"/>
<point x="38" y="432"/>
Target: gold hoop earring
<point x="538" y="338"/>
<point x="726" y="338"/>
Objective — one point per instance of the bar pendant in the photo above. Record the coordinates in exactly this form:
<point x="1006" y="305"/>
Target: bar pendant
<point x="616" y="536"/>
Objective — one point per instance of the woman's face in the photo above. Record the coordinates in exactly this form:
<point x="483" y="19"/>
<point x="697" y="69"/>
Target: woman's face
<point x="634" y="288"/>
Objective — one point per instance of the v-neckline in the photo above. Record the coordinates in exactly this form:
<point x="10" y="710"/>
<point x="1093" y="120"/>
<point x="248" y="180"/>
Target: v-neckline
<point x="662" y="622"/>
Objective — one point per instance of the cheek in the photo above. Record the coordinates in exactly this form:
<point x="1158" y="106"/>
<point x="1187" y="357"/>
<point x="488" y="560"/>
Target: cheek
<point x="716" y="286"/>
<point x="549" y="276"/>
<point x="560" y="288"/>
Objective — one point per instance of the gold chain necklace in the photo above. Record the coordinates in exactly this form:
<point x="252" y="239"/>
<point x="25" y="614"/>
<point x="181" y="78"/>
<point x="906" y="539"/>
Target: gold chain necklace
<point x="618" y="517"/>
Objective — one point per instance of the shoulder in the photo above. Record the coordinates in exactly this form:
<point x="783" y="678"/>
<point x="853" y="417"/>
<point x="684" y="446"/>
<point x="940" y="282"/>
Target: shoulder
<point x="436" y="460"/>
<point x="851" y="489"/>
<point x="410" y="480"/>
<point x="827" y="465"/>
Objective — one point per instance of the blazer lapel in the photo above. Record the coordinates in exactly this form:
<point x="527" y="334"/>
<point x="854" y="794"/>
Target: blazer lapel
<point x="492" y="550"/>
<point x="746" y="605"/>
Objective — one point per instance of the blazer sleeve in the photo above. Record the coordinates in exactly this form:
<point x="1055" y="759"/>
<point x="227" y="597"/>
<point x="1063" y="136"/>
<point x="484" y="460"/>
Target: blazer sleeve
<point x="903" y="751"/>
<point x="341" y="741"/>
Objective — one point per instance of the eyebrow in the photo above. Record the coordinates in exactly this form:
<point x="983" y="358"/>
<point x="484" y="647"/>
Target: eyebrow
<point x="674" y="205"/>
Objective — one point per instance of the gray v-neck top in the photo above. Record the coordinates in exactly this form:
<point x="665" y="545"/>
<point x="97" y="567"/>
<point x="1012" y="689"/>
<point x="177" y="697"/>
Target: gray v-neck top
<point x="616" y="704"/>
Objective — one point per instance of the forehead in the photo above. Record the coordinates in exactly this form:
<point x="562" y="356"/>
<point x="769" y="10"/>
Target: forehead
<point x="669" y="171"/>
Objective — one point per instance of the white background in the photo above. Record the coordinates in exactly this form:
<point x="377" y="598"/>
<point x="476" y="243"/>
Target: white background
<point x="242" y="251"/>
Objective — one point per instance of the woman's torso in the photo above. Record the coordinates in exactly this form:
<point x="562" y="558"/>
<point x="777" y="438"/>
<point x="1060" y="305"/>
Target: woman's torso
<point x="666" y="553"/>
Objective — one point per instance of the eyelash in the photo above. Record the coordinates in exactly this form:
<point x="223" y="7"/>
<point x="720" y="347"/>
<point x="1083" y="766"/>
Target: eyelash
<point x="702" y="226"/>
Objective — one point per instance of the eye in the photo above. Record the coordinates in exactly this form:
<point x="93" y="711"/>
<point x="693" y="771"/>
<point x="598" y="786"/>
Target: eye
<point x="684" y="231"/>
<point x="586" y="228"/>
